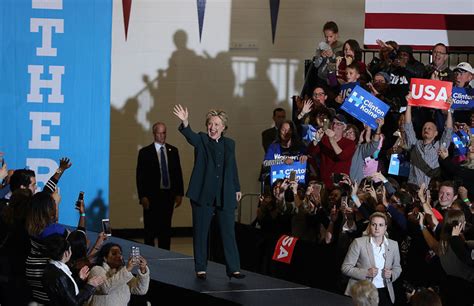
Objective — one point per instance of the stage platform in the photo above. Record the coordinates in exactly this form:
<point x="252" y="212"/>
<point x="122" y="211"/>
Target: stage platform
<point x="173" y="279"/>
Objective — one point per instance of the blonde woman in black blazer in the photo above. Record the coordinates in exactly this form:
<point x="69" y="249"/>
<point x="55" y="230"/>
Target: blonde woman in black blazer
<point x="374" y="257"/>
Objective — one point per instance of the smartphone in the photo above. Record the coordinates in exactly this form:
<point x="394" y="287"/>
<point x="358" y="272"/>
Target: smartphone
<point x="344" y="201"/>
<point x="325" y="124"/>
<point x="337" y="178"/>
<point x="106" y="227"/>
<point x="292" y="176"/>
<point x="79" y="199"/>
<point x="135" y="253"/>
<point x="317" y="189"/>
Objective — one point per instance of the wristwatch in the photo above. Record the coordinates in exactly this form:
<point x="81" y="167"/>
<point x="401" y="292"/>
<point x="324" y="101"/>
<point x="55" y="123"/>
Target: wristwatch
<point x="59" y="171"/>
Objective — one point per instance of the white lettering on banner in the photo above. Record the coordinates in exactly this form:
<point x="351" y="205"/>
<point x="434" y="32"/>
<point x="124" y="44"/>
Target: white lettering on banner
<point x="46" y="25"/>
<point x="279" y="156"/>
<point x="287" y="241"/>
<point x="47" y="4"/>
<point x="428" y="92"/>
<point x="366" y="106"/>
<point x="36" y="84"/>
<point x="38" y="130"/>
<point x="36" y="163"/>
<point x="41" y="131"/>
<point x="460" y="98"/>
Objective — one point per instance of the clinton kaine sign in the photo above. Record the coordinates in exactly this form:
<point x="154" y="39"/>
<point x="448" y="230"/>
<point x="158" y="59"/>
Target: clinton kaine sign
<point x="365" y="107"/>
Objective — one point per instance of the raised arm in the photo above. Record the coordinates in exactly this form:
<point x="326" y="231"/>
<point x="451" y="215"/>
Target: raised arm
<point x="182" y="113"/>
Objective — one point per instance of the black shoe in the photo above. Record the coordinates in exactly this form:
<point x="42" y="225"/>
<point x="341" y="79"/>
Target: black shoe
<point x="236" y="275"/>
<point x="201" y="275"/>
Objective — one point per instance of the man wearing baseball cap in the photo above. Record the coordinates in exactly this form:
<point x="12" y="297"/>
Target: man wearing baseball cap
<point x="463" y="74"/>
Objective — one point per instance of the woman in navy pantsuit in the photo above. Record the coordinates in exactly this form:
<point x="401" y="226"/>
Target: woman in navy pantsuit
<point x="213" y="188"/>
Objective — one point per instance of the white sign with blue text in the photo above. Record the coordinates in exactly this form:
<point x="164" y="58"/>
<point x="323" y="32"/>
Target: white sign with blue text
<point x="365" y="107"/>
<point x="283" y="171"/>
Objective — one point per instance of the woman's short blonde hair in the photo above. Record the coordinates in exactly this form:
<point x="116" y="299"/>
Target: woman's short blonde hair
<point x="379" y="215"/>
<point x="364" y="293"/>
<point x="217" y="113"/>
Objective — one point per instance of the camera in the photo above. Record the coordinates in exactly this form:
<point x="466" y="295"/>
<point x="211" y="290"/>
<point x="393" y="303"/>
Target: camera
<point x="80" y="199"/>
<point x="337" y="178"/>
<point x="135" y="253"/>
<point x="292" y="176"/>
<point x="393" y="54"/>
<point x="106" y="227"/>
<point x="325" y="124"/>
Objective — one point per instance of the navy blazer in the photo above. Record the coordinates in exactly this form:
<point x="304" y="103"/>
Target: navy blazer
<point x="149" y="172"/>
<point x="202" y="184"/>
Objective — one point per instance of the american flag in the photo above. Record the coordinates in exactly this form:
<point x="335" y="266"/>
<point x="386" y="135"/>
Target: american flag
<point x="420" y="23"/>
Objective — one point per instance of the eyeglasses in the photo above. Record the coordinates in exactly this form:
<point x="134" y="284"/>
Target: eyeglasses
<point x="318" y="94"/>
<point x="440" y="53"/>
<point x="338" y="123"/>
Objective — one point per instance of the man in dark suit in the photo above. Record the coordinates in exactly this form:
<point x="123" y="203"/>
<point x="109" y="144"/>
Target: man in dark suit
<point x="160" y="186"/>
<point x="270" y="135"/>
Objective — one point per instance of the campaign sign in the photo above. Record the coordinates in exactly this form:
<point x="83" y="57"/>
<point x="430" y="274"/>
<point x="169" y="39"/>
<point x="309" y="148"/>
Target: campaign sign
<point x="398" y="166"/>
<point x="461" y="143"/>
<point x="283" y="171"/>
<point x="347" y="88"/>
<point x="365" y="107"/>
<point x="284" y="249"/>
<point x="430" y="93"/>
<point x="463" y="98"/>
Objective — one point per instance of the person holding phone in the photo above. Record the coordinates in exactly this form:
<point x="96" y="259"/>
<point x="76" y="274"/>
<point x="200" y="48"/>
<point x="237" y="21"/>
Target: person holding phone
<point x="119" y="282"/>
<point x="214" y="188"/>
<point x="160" y="186"/>
<point x="334" y="151"/>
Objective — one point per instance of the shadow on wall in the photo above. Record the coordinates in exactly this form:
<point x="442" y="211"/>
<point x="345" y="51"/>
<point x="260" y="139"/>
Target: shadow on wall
<point x="200" y="82"/>
<point x="95" y="212"/>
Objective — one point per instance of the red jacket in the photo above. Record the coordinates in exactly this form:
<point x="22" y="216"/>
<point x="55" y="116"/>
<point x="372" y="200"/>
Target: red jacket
<point x="330" y="162"/>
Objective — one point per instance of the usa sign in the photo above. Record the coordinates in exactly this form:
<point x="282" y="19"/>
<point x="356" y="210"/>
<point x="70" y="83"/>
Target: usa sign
<point x="430" y="93"/>
<point x="365" y="107"/>
<point x="284" y="249"/>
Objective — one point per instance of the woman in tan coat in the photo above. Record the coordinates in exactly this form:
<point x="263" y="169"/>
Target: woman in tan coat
<point x="374" y="257"/>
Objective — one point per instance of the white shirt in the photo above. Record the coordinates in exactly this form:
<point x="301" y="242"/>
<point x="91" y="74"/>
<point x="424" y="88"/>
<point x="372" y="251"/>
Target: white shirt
<point x="158" y="152"/>
<point x="379" y="257"/>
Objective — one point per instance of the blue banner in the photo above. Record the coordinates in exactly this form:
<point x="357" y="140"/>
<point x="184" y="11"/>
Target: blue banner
<point x="365" y="107"/>
<point x="463" y="98"/>
<point x="284" y="170"/>
<point x="347" y="88"/>
<point x="55" y="95"/>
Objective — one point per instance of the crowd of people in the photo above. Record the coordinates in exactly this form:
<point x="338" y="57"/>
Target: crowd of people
<point x="349" y="204"/>
<point x="352" y="199"/>
<point x="43" y="262"/>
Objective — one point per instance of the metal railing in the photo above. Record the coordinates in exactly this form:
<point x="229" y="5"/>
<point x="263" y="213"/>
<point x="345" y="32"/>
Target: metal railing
<point x="424" y="56"/>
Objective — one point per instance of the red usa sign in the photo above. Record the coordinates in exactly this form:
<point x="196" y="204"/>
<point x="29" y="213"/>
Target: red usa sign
<point x="284" y="249"/>
<point x="430" y="93"/>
